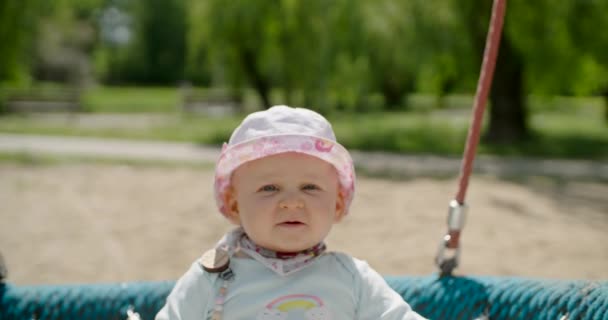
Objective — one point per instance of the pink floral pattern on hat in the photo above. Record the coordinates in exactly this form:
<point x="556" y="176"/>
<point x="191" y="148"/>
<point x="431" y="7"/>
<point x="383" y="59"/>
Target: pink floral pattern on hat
<point x="233" y="156"/>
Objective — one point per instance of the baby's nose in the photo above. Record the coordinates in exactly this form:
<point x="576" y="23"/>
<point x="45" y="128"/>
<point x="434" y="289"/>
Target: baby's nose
<point x="291" y="202"/>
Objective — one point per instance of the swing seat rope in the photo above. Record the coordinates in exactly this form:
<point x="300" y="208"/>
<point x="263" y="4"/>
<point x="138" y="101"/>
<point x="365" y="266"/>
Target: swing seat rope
<point x="496" y="298"/>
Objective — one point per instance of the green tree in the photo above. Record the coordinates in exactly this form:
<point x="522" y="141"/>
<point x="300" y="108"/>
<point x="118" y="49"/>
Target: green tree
<point x="564" y="54"/>
<point x="238" y="39"/>
<point x="592" y="44"/>
<point x="341" y="76"/>
<point x="265" y="44"/>
<point x="305" y="49"/>
<point x="507" y="110"/>
<point x="161" y="39"/>
<point x="390" y="30"/>
<point x="155" y="53"/>
<point x="18" y="29"/>
<point x="430" y="47"/>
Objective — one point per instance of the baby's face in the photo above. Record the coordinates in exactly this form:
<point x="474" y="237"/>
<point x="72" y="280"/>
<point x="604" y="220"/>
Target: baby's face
<point x="286" y="202"/>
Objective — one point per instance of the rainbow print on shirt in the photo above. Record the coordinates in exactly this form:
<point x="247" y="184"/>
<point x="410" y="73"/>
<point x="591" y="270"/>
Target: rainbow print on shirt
<point x="295" y="307"/>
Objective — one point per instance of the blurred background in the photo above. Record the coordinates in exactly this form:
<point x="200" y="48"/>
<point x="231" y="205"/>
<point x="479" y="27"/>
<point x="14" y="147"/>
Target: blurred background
<point x="354" y="61"/>
<point x="392" y="76"/>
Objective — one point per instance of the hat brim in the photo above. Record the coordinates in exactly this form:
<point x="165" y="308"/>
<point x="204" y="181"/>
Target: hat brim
<point x="234" y="156"/>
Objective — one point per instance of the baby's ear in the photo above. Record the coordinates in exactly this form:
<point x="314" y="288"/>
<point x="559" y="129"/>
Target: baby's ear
<point x="340" y="206"/>
<point x="232" y="206"/>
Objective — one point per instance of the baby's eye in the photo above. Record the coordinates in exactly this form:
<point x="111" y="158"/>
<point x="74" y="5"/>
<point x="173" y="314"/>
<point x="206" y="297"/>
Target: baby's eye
<point x="268" y="188"/>
<point x="310" y="186"/>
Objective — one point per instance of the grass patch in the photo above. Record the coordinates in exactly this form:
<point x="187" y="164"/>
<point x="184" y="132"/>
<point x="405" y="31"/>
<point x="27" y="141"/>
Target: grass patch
<point x="574" y="134"/>
<point x="132" y="99"/>
<point x="30" y="159"/>
<point x="400" y="132"/>
<point x="175" y="128"/>
<point x="25" y="158"/>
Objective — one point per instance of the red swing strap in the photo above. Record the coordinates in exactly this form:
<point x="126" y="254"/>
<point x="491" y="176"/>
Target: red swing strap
<point x="457" y="208"/>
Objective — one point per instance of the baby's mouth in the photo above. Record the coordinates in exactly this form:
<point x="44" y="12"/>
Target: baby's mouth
<point x="291" y="223"/>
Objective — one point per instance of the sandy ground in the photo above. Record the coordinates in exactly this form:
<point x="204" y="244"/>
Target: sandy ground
<point x="79" y="222"/>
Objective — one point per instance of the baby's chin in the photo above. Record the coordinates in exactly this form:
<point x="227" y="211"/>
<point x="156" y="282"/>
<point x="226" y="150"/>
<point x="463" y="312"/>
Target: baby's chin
<point x="288" y="247"/>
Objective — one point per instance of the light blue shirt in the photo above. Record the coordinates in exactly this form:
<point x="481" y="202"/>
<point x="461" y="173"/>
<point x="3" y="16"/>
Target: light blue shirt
<point x="334" y="287"/>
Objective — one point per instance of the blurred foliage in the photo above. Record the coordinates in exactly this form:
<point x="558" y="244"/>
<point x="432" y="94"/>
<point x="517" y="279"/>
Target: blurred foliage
<point x="387" y="46"/>
<point x="144" y="43"/>
<point x="311" y="49"/>
<point x="18" y="29"/>
<point x="333" y="56"/>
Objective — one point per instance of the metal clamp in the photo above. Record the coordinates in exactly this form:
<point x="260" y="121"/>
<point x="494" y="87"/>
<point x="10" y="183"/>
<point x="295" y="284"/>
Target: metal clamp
<point x="456" y="215"/>
<point x="450" y="242"/>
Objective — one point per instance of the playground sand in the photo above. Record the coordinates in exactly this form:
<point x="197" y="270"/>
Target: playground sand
<point x="91" y="223"/>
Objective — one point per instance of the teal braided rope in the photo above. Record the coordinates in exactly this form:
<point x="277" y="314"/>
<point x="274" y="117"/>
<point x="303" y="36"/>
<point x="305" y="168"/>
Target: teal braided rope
<point x="505" y="298"/>
<point x="89" y="301"/>
<point x="496" y="298"/>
